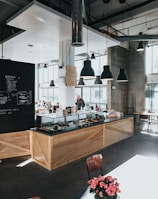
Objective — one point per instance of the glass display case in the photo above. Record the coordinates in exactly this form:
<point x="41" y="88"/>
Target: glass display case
<point x="52" y="123"/>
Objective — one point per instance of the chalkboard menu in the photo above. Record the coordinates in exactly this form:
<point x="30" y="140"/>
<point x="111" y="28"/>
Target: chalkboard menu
<point x="16" y="96"/>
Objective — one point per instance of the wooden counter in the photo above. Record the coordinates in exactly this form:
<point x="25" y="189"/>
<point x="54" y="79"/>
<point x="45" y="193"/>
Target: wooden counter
<point x="54" y="151"/>
<point x="14" y="144"/>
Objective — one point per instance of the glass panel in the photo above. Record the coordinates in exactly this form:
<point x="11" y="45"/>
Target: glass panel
<point x="95" y="95"/>
<point x="151" y="97"/>
<point x="148" y="61"/>
<point x="151" y="92"/>
<point x="86" y="95"/>
<point x="151" y="60"/>
<point x="46" y="92"/>
<point x="155" y="59"/>
<point x="56" y="95"/>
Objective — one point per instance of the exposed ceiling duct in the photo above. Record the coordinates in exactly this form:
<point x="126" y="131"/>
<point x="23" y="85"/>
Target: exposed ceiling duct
<point x="136" y="37"/>
<point x="106" y="1"/>
<point x="77" y="22"/>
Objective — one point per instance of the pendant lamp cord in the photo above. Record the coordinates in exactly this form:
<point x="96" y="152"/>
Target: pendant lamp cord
<point x="86" y="21"/>
<point x="87" y="43"/>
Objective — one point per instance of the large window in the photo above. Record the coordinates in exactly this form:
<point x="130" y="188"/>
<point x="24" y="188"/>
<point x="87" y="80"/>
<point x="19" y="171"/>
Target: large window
<point x="151" y="61"/>
<point x="151" y="93"/>
<point x="91" y="93"/>
<point x="46" y="92"/>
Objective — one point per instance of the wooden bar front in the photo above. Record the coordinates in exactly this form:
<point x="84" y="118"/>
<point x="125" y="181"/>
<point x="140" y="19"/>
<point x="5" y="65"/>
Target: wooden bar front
<point x="54" y="151"/>
<point x="14" y="144"/>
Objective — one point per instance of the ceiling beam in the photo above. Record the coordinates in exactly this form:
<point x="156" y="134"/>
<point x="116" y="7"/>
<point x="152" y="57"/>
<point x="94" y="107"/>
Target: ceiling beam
<point x="9" y="3"/>
<point x="126" y="14"/>
<point x="16" y="3"/>
<point x="135" y="37"/>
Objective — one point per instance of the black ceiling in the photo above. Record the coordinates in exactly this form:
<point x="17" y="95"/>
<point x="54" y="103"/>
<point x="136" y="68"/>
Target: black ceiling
<point x="100" y="13"/>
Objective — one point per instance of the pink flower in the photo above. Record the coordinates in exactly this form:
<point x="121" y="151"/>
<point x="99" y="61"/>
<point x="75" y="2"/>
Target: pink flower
<point x="100" y="194"/>
<point x="111" y="190"/>
<point x="93" y="183"/>
<point x="104" y="186"/>
<point x="109" y="178"/>
<point x="101" y="178"/>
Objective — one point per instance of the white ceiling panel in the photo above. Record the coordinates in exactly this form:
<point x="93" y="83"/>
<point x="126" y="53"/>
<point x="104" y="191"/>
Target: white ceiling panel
<point x="44" y="29"/>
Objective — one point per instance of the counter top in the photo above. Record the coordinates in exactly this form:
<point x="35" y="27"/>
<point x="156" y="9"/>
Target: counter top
<point x="50" y="132"/>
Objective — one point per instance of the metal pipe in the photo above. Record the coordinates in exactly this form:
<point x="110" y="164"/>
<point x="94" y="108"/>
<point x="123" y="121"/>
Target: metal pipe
<point x="77" y="22"/>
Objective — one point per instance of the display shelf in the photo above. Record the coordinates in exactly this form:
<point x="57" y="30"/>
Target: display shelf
<point x="53" y="124"/>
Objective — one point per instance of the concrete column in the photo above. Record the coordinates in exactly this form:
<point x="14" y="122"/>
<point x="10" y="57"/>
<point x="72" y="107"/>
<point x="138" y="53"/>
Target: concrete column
<point x="66" y="57"/>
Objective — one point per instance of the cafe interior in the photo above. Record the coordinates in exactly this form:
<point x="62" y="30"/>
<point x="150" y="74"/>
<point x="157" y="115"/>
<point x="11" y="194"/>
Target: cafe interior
<point x="104" y="51"/>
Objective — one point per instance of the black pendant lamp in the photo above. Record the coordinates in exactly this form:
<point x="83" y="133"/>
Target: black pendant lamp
<point x="92" y="56"/>
<point x="122" y="77"/>
<point x="106" y="74"/>
<point x="81" y="82"/>
<point x="140" y="46"/>
<point x="87" y="71"/>
<point x="52" y="83"/>
<point x="45" y="66"/>
<point x="98" y="80"/>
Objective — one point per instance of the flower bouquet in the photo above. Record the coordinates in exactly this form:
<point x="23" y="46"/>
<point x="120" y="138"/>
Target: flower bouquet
<point x="104" y="187"/>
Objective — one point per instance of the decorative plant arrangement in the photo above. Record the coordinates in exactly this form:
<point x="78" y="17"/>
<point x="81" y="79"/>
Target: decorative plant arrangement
<point x="104" y="187"/>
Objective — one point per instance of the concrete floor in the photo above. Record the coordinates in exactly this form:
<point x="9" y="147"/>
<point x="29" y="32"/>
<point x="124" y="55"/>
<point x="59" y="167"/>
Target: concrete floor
<point x="67" y="182"/>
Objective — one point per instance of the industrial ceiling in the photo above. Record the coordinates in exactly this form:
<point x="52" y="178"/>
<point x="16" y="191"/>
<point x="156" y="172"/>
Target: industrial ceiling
<point x="122" y="20"/>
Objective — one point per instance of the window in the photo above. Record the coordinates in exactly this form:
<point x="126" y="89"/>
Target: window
<point x="151" y="92"/>
<point x="91" y="93"/>
<point x="47" y="93"/>
<point x="151" y="61"/>
<point x="151" y="97"/>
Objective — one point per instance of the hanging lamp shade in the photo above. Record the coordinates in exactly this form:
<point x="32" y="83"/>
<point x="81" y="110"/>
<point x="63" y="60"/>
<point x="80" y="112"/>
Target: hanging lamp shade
<point x="140" y="46"/>
<point x="52" y="83"/>
<point x="92" y="56"/>
<point x="106" y="74"/>
<point x="98" y="80"/>
<point x="45" y="66"/>
<point x="87" y="71"/>
<point x="81" y="82"/>
<point x="122" y="77"/>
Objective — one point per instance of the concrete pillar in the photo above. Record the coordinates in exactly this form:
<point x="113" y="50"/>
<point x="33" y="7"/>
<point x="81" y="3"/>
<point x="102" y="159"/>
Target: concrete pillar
<point x="128" y="96"/>
<point x="66" y="57"/>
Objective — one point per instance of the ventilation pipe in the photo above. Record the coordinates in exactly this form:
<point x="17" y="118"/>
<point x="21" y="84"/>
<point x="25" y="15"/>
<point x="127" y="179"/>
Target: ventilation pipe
<point x="106" y="1"/>
<point x="122" y="1"/>
<point x="77" y="34"/>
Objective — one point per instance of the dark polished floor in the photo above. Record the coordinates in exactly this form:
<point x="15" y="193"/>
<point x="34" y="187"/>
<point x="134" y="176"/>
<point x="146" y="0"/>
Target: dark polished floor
<point x="67" y="182"/>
